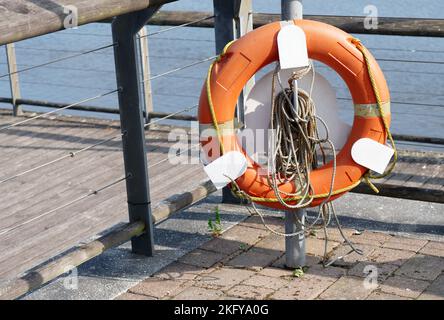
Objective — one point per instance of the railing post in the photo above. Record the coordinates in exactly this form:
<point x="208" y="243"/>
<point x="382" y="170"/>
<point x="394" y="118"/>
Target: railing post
<point x="124" y="30"/>
<point x="144" y="56"/>
<point x="291" y="9"/>
<point x="13" y="79"/>
<point x="233" y="19"/>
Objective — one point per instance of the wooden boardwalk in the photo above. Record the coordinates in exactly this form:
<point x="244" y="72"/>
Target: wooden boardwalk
<point x="32" y="232"/>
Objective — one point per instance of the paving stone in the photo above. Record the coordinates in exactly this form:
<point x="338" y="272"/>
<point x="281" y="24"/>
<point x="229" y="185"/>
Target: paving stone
<point x="391" y="256"/>
<point x="304" y="288"/>
<point x="198" y="293"/>
<point x="330" y="272"/>
<point x="201" y="258"/>
<point x="244" y="234"/>
<point x="159" y="288"/>
<point x="230" y="298"/>
<point x="435" y="291"/>
<point x="224" y="246"/>
<point x="179" y="271"/>
<point x="376" y="295"/>
<point x="348" y="259"/>
<point x="433" y="249"/>
<point x="132" y="296"/>
<point x="422" y="267"/>
<point x="272" y="242"/>
<point x="316" y="246"/>
<point x="275" y="272"/>
<point x="309" y="261"/>
<point x="334" y="234"/>
<point x="314" y="267"/>
<point x="254" y="259"/>
<point x="223" y="278"/>
<point x="347" y="288"/>
<point x="266" y="282"/>
<point x="363" y="269"/>
<point x="276" y="223"/>
<point x="370" y="238"/>
<point x="249" y="292"/>
<point x="402" y="243"/>
<point x="404" y="287"/>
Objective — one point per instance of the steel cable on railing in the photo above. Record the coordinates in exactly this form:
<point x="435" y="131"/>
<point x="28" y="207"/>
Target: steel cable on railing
<point x="391" y="70"/>
<point x="406" y="50"/>
<point x="421" y="145"/>
<point x="9" y="126"/>
<point x="89" y="194"/>
<point x="178" y="154"/>
<point x="72" y="154"/>
<point x="59" y="60"/>
<point x="52" y="84"/>
<point x="425" y="93"/>
<point x="405" y="103"/>
<point x="411" y="61"/>
<point x="170" y="115"/>
<point x="180" y="68"/>
<point x="176" y="27"/>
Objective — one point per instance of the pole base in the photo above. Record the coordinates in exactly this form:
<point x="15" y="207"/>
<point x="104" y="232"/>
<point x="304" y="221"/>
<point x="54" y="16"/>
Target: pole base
<point x="294" y="246"/>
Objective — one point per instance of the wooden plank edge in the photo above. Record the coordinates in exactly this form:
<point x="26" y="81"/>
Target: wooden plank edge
<point x="402" y="192"/>
<point x="418" y="27"/>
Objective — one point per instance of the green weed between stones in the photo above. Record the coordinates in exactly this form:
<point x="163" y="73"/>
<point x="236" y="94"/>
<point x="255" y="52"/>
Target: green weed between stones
<point x="215" y="227"/>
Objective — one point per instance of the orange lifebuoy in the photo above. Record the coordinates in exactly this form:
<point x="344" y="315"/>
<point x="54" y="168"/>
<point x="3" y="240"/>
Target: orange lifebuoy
<point x="257" y="49"/>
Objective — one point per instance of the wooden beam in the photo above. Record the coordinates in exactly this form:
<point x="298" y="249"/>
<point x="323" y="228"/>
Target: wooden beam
<point x="23" y="19"/>
<point x="352" y="24"/>
<point x="402" y="192"/>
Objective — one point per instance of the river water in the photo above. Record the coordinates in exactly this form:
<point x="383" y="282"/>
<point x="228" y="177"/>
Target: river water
<point x="90" y="75"/>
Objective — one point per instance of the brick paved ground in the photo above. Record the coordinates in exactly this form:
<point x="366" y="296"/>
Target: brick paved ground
<point x="247" y="262"/>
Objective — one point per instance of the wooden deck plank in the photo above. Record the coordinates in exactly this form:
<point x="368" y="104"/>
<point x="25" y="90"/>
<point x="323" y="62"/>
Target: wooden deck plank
<point x="64" y="235"/>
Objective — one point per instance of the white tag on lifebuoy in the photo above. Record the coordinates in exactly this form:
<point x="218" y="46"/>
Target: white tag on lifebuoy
<point x="292" y="47"/>
<point x="233" y="164"/>
<point x="371" y="154"/>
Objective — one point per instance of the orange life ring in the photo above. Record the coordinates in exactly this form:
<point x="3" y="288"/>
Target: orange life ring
<point x="257" y="49"/>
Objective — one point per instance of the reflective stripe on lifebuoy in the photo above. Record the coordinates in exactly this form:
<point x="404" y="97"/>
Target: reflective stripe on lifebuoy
<point x="257" y="49"/>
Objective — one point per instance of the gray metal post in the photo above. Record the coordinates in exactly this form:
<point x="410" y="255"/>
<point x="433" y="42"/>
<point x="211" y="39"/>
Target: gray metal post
<point x="124" y="30"/>
<point x="234" y="18"/>
<point x="294" y="246"/>
<point x="291" y="9"/>
<point x="13" y="79"/>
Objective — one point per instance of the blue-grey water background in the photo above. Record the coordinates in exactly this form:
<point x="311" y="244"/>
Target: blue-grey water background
<point x="89" y="75"/>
